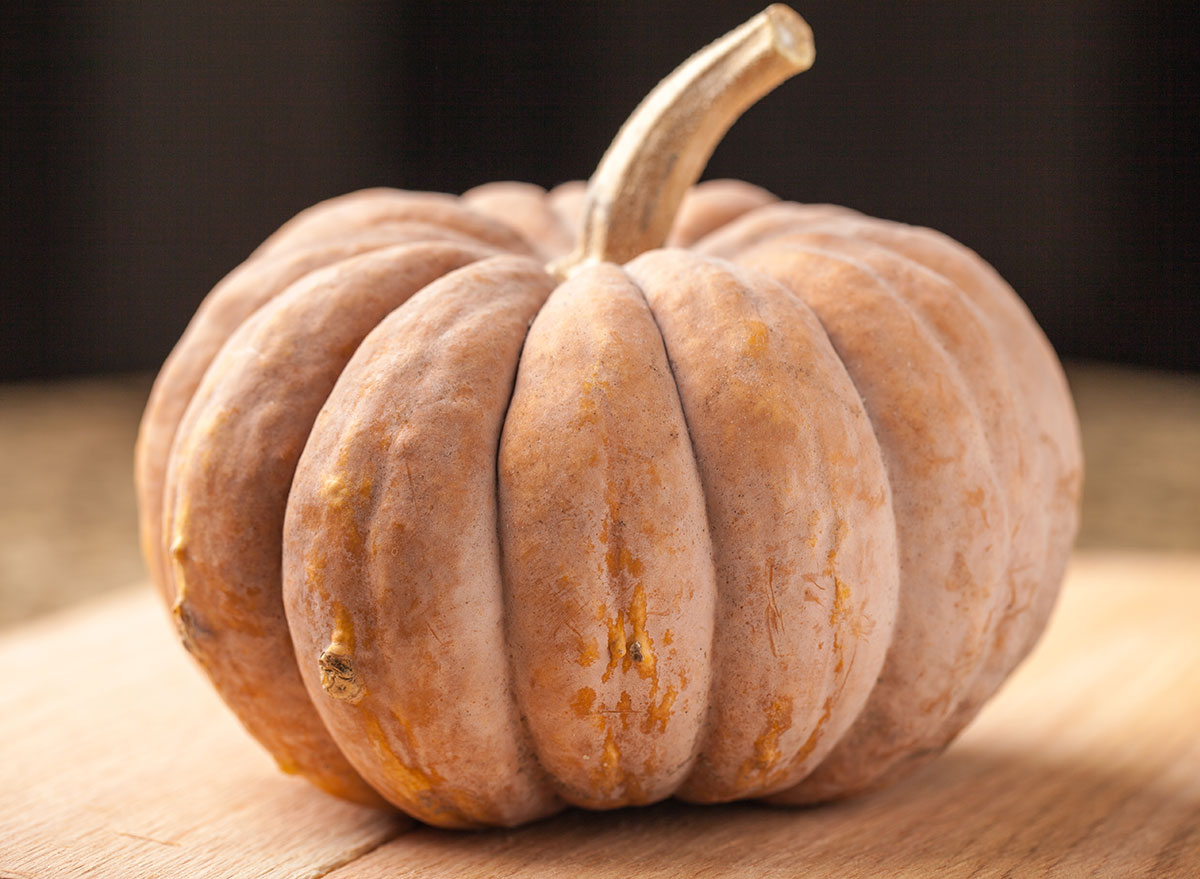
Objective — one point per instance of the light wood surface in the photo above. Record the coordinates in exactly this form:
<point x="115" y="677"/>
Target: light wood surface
<point x="117" y="760"/>
<point x="68" y="525"/>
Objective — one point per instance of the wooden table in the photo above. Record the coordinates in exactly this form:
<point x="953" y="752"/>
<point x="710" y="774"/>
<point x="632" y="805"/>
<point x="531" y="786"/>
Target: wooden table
<point x="117" y="760"/>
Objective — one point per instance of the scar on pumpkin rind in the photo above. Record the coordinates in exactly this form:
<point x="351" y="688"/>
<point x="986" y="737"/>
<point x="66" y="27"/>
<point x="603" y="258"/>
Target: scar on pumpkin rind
<point x="188" y="626"/>
<point x="339" y="677"/>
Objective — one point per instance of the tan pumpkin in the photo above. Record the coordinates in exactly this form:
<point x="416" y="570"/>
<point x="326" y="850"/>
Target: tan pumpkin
<point x="769" y="512"/>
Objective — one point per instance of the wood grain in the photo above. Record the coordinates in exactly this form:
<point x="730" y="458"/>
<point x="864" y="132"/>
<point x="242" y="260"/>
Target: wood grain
<point x="118" y="761"/>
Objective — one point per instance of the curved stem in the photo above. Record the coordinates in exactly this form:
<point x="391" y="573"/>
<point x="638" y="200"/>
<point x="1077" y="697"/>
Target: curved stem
<point x="662" y="149"/>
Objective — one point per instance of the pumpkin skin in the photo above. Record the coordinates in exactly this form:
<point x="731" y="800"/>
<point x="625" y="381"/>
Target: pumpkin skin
<point x="422" y="502"/>
<point x="462" y="514"/>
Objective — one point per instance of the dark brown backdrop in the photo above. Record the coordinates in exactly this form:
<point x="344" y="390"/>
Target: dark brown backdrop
<point x="148" y="147"/>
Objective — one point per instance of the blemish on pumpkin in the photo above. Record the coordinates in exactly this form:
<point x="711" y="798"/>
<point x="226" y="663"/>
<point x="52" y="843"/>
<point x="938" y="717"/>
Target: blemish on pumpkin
<point x="315" y="563"/>
<point x="607" y="775"/>
<point x="343" y="626"/>
<point x="343" y="500"/>
<point x="637" y="618"/>
<point x="418" y="788"/>
<point x="815" y="736"/>
<point x="839" y="536"/>
<point x="766" y="746"/>
<point x="938" y="705"/>
<point x="633" y="649"/>
<point x="616" y="644"/>
<point x="768" y="410"/>
<point x="774" y="617"/>
<point x="658" y="715"/>
<point x="188" y="626"/>
<point x="588" y="410"/>
<point x="814" y="528"/>
<point x="612" y="754"/>
<point x="841" y="602"/>
<point x="975" y="499"/>
<point x="620" y="558"/>
<point x="624" y="708"/>
<point x="582" y="703"/>
<point x="960" y="579"/>
<point x="178" y="550"/>
<point x="757" y="337"/>
<point x="335" y="491"/>
<point x="588" y="653"/>
<point x="436" y="637"/>
<point x="339" y="677"/>
<point x="668" y="637"/>
<point x="412" y="485"/>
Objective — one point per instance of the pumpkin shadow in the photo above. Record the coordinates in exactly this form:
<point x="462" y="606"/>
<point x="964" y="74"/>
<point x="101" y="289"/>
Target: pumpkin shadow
<point x="973" y="811"/>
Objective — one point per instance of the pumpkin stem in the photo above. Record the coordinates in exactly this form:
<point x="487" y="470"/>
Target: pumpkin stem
<point x="662" y="149"/>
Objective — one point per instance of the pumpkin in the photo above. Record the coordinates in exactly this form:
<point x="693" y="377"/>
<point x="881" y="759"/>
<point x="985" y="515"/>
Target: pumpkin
<point x="484" y="506"/>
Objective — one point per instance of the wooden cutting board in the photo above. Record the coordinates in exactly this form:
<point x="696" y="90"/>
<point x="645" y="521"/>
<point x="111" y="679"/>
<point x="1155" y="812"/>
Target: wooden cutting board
<point x="117" y="760"/>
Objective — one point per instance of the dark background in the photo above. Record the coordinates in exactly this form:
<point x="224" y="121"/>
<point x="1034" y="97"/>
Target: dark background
<point x="148" y="147"/>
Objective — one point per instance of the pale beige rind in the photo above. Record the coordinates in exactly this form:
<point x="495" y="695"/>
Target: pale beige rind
<point x="950" y="514"/>
<point x="1043" y="480"/>
<point x="392" y="559"/>
<point x="607" y="559"/>
<point x="712" y="204"/>
<point x="321" y="235"/>
<point x="524" y="208"/>
<point x="228" y="481"/>
<point x="373" y="208"/>
<point x="866" y="468"/>
<point x="800" y="516"/>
